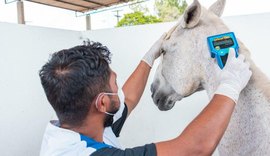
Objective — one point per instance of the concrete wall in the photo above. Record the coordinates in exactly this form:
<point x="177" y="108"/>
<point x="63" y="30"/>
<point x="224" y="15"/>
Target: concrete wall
<point x="24" y="110"/>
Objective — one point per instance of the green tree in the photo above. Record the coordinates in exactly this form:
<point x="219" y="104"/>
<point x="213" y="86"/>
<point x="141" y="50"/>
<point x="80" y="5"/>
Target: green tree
<point x="170" y="10"/>
<point x="137" y="18"/>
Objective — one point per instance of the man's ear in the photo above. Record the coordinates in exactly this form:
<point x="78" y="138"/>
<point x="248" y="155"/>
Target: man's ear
<point x="105" y="101"/>
<point x="218" y="7"/>
<point x="101" y="103"/>
<point x="192" y="15"/>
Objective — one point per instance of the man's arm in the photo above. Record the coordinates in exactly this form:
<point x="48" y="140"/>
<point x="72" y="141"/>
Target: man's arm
<point x="135" y="85"/>
<point x="203" y="134"/>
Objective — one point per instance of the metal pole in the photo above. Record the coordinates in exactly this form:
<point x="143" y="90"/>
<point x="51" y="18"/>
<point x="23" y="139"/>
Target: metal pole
<point x="88" y="22"/>
<point x="20" y="12"/>
<point x="117" y="15"/>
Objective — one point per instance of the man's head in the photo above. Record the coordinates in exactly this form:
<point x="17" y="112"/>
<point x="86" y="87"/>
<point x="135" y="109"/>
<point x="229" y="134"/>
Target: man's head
<point x="73" y="78"/>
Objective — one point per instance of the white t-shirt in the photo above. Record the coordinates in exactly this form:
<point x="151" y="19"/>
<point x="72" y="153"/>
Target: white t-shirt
<point x="58" y="141"/>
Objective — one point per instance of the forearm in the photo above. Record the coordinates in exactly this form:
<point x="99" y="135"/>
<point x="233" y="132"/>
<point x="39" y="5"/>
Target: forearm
<point x="135" y="85"/>
<point x="203" y="134"/>
<point x="208" y="127"/>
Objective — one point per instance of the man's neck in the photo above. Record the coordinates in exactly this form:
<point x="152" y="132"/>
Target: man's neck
<point x="92" y="127"/>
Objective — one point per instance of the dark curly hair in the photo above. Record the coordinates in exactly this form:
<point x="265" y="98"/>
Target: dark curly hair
<point x="73" y="77"/>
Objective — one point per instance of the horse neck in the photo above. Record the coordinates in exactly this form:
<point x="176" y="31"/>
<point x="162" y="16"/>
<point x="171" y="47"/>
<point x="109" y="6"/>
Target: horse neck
<point x="255" y="99"/>
<point x="257" y="89"/>
<point x="249" y="125"/>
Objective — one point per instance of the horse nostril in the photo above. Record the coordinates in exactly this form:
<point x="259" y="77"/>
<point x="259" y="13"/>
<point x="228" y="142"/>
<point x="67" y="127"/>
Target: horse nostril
<point x="152" y="88"/>
<point x="158" y="101"/>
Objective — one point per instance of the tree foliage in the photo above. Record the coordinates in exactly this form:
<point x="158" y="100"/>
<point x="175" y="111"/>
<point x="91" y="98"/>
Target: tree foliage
<point x="137" y="18"/>
<point x="170" y="10"/>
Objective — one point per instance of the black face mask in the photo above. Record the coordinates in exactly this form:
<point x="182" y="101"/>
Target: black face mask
<point x="108" y="120"/>
<point x="109" y="117"/>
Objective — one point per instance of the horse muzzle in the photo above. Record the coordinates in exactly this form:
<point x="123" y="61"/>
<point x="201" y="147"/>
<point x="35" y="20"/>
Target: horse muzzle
<point x="164" y="100"/>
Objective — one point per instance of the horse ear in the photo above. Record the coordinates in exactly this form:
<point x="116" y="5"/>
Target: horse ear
<point x="218" y="7"/>
<point x="192" y="15"/>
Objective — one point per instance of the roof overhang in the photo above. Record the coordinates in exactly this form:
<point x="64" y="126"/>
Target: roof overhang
<point x="80" y="5"/>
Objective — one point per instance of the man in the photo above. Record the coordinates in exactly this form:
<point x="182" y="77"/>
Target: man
<point x="82" y="89"/>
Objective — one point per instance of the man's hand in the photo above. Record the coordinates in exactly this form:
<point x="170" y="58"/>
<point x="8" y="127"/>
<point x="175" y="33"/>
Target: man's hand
<point x="154" y="51"/>
<point x="234" y="76"/>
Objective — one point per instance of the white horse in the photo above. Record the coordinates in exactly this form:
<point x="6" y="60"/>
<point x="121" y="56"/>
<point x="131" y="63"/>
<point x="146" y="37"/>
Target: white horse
<point x="186" y="67"/>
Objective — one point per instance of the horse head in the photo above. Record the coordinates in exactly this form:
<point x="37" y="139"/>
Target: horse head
<point x="185" y="63"/>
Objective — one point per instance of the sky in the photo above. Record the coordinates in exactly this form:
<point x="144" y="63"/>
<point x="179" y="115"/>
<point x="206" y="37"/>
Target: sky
<point x="45" y="16"/>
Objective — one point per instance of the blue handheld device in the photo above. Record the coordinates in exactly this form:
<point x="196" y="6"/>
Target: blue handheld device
<point x="219" y="47"/>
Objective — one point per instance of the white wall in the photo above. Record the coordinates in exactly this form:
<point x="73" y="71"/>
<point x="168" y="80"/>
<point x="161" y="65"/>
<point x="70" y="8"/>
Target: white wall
<point x="24" y="110"/>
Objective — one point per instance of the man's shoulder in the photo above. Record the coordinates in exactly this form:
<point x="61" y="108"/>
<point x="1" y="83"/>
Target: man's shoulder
<point x="60" y="141"/>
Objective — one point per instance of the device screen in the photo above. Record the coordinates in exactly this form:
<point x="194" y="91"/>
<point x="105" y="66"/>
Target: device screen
<point x="224" y="43"/>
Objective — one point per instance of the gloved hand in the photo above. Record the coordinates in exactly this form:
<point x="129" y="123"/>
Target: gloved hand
<point x="154" y="51"/>
<point x="234" y="76"/>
